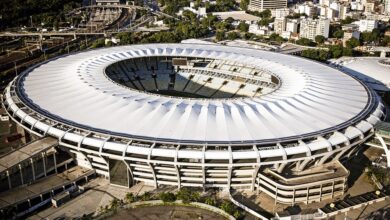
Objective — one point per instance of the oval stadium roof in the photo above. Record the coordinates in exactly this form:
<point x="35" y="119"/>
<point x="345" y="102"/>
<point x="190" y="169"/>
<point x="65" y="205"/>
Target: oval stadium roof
<point x="312" y="98"/>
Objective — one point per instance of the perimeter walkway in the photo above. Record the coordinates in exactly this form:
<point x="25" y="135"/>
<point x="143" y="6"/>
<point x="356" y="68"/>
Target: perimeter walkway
<point x="22" y="154"/>
<point x="27" y="198"/>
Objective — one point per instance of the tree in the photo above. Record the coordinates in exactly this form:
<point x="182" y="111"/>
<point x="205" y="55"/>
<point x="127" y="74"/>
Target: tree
<point x="227" y="207"/>
<point x="265" y="14"/>
<point x="98" y="43"/>
<point x="114" y="204"/>
<point x="265" y="21"/>
<point x="220" y="35"/>
<point x="352" y="43"/>
<point x="305" y="42"/>
<point x="319" y="39"/>
<point x="210" y="201"/>
<point x="130" y="197"/>
<point x="146" y="196"/>
<point x="232" y="35"/>
<point x="184" y="195"/>
<point x="187" y="196"/>
<point x="243" y="27"/>
<point x="237" y="214"/>
<point x="347" y="20"/>
<point x="336" y="51"/>
<point x="338" y="34"/>
<point x="167" y="197"/>
<point x="244" y="4"/>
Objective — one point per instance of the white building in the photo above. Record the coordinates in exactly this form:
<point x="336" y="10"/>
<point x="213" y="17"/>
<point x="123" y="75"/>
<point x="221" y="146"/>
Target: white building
<point x="258" y="30"/>
<point x="279" y="25"/>
<point x="387" y="6"/>
<point x="343" y="11"/>
<point x="281" y="12"/>
<point x="367" y="25"/>
<point x="308" y="29"/>
<point x="292" y="25"/>
<point x="260" y="5"/>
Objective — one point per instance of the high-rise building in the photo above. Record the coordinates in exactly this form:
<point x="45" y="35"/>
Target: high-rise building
<point x="282" y="12"/>
<point x="367" y="25"/>
<point x="279" y="25"/>
<point x="292" y="25"/>
<point x="310" y="28"/>
<point x="260" y="5"/>
<point x="387" y="6"/>
<point x="323" y="27"/>
<point x="343" y="11"/>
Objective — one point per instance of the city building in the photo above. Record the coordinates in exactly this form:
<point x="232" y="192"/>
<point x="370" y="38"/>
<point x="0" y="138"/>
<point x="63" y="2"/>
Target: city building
<point x="310" y="28"/>
<point x="279" y="25"/>
<point x="350" y="34"/>
<point x="367" y="25"/>
<point x="369" y="7"/>
<point x="195" y="115"/>
<point x="258" y="30"/>
<point x="386" y="6"/>
<point x="281" y="12"/>
<point x="343" y="11"/>
<point x="260" y="5"/>
<point x="292" y="25"/>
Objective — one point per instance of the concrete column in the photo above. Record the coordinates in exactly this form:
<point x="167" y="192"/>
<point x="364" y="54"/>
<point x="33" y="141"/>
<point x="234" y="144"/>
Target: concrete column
<point x="9" y="180"/>
<point x="154" y="175"/>
<point x="44" y="163"/>
<point x="276" y="196"/>
<point x="304" y="163"/>
<point x="55" y="161"/>
<point x="332" y="189"/>
<point x="281" y="167"/>
<point x="21" y="174"/>
<point x="307" y="196"/>
<point x="293" y="199"/>
<point x="323" y="159"/>
<point x="33" y="168"/>
<point x="254" y="175"/>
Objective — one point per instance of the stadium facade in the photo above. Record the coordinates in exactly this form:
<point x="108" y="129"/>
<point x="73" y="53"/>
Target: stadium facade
<point x="200" y="116"/>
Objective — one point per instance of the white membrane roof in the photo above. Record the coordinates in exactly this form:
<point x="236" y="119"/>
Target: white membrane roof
<point x="312" y="98"/>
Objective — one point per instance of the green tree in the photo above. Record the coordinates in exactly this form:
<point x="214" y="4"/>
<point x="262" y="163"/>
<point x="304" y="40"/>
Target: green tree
<point x="114" y="204"/>
<point x="243" y="27"/>
<point x="98" y="43"/>
<point x="232" y="35"/>
<point x="210" y="201"/>
<point x="167" y="197"/>
<point x="319" y="39"/>
<point x="347" y="20"/>
<point x="220" y="35"/>
<point x="305" y="42"/>
<point x="338" y="34"/>
<point x="228" y="207"/>
<point x="352" y="43"/>
<point x="336" y="51"/>
<point x="244" y="4"/>
<point x="129" y="197"/>
<point x="184" y="195"/>
<point x="146" y="196"/>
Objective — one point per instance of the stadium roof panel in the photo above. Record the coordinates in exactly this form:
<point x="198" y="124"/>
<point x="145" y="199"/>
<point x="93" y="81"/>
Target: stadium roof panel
<point x="312" y="98"/>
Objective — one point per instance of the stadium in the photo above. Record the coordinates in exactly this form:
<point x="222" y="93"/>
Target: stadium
<point x="200" y="115"/>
